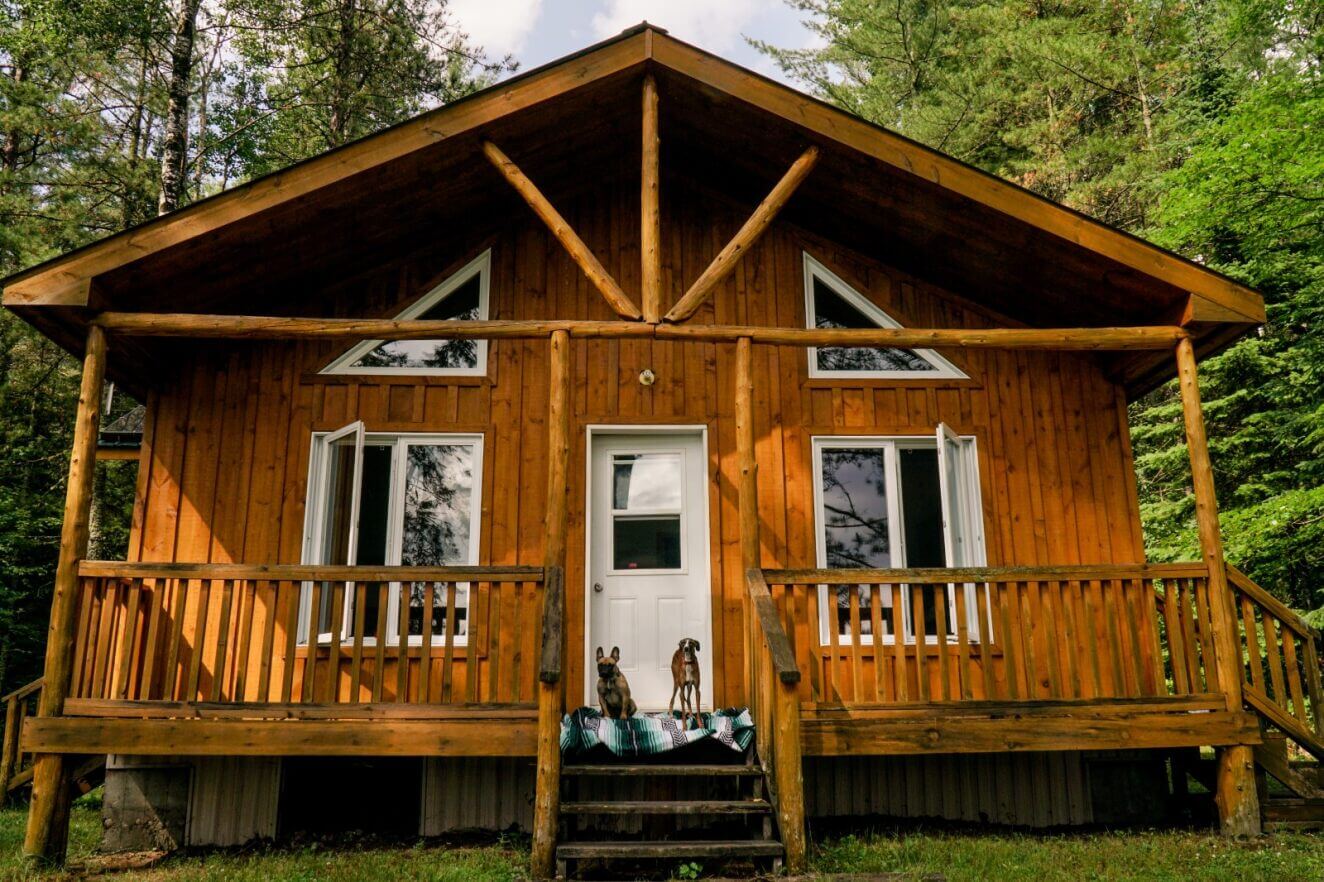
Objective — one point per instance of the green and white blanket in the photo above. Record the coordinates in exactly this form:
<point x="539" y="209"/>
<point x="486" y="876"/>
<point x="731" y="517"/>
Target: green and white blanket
<point x="651" y="734"/>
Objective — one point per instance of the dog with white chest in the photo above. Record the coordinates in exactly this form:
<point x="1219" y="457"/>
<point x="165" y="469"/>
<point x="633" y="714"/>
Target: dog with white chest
<point x="685" y="679"/>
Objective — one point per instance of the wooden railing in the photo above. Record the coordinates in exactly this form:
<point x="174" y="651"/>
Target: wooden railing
<point x="997" y="634"/>
<point x="230" y="633"/>
<point x="773" y="681"/>
<point x="15" y="765"/>
<point x="1272" y="636"/>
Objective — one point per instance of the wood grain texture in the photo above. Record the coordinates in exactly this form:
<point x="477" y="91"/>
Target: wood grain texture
<point x="1079" y="461"/>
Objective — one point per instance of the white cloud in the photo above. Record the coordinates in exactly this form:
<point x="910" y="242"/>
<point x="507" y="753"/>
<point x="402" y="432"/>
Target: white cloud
<point x="716" y="25"/>
<point x="501" y="27"/>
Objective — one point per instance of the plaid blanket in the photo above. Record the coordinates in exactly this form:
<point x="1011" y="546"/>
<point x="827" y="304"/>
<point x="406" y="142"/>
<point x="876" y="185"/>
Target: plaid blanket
<point x="651" y="734"/>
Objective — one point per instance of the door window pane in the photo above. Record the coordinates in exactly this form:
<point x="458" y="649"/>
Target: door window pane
<point x="651" y="543"/>
<point x="646" y="481"/>
<point x="374" y="514"/>
<point x="855" y="525"/>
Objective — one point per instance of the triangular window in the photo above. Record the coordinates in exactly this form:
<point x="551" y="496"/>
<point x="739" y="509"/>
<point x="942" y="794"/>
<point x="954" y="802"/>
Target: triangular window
<point x="831" y="303"/>
<point x="461" y="297"/>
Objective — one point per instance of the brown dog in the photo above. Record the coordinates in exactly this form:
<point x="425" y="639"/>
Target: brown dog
<point x="613" y="690"/>
<point x="685" y="679"/>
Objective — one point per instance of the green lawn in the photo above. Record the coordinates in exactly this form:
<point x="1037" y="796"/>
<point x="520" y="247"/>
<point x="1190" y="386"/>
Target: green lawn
<point x="953" y="855"/>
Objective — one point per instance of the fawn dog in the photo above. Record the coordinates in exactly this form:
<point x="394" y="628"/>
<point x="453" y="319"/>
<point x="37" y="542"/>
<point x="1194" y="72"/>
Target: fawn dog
<point x="613" y="690"/>
<point x="685" y="679"/>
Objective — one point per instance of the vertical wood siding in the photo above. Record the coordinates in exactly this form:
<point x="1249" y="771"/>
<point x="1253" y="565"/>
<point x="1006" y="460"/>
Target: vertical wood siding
<point x="225" y="459"/>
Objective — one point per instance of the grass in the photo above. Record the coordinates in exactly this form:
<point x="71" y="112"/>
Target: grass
<point x="914" y="854"/>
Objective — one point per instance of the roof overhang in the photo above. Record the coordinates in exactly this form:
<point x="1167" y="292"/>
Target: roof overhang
<point x="888" y="196"/>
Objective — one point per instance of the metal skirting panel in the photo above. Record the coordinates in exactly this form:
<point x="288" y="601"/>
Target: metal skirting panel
<point x="1020" y="789"/>
<point x="234" y="800"/>
<point x="477" y="793"/>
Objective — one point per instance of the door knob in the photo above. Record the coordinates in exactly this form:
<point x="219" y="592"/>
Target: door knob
<point x="597" y="587"/>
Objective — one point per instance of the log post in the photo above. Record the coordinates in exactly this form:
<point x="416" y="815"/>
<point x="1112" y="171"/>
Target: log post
<point x="1237" y="801"/>
<point x="551" y="700"/>
<point x="48" y="816"/>
<point x="788" y="769"/>
<point x="650" y="215"/>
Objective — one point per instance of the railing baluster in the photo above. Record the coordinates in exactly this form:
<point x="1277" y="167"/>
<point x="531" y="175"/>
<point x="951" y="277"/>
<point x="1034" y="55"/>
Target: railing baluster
<point x="901" y="671"/>
<point x="882" y="690"/>
<point x="402" y="662"/>
<point x="338" y="588"/>
<point x="292" y="592"/>
<point x="379" y="637"/>
<point x="921" y="642"/>
<point x="940" y="631"/>
<point x="1253" y="652"/>
<point x="857" y="658"/>
<point x="1027" y="626"/>
<point x="356" y="653"/>
<point x="1010" y="638"/>
<point x="964" y="673"/>
<point x="222" y="640"/>
<point x="265" y="660"/>
<point x="1293" y="676"/>
<point x="128" y="644"/>
<point x="247" y="591"/>
<point x="1275" y="658"/>
<point x="481" y="622"/>
<point x="452" y="630"/>
<point x="1310" y="660"/>
<point x="82" y="652"/>
<point x="1155" y="679"/>
<point x="314" y="641"/>
<point x="1206" y="628"/>
<point x="199" y="642"/>
<point x="831" y="684"/>
<point x="1176" y="639"/>
<point x="986" y="640"/>
<point x="425" y="656"/>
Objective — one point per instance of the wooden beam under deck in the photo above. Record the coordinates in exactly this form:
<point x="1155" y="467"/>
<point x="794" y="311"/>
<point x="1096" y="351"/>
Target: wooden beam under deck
<point x="987" y="727"/>
<point x="232" y="737"/>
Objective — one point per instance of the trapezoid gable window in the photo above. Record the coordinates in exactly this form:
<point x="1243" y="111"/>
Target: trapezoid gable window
<point x="463" y="296"/>
<point x="832" y="303"/>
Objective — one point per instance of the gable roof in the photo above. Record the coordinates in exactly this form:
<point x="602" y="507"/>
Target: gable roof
<point x="983" y="237"/>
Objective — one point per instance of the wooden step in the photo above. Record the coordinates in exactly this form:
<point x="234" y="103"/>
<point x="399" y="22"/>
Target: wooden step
<point x="741" y="848"/>
<point x="669" y="807"/>
<point x="614" y="770"/>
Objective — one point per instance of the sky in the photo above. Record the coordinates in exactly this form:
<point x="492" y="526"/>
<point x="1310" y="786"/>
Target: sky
<point x="538" y="31"/>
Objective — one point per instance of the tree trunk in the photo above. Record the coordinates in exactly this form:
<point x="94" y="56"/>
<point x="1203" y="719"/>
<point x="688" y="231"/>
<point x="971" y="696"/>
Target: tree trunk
<point x="175" y="149"/>
<point x="340" y="95"/>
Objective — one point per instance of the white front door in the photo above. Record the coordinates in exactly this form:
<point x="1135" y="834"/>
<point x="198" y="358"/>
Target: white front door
<point x="648" y="558"/>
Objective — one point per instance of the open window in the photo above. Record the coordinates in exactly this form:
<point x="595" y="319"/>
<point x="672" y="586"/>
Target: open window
<point x="463" y="296"/>
<point x="885" y="503"/>
<point x="413" y="500"/>
<point x="831" y="303"/>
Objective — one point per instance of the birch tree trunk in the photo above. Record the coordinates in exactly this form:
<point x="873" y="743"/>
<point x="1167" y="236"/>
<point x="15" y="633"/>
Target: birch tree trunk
<point x="175" y="148"/>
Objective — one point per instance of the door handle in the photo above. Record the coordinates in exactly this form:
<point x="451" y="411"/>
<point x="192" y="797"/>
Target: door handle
<point x="597" y="587"/>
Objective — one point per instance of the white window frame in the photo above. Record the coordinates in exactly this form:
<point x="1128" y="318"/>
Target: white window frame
<point x="813" y="269"/>
<point x="480" y="266"/>
<point x="973" y="522"/>
<point x="643" y="513"/>
<point x="312" y="544"/>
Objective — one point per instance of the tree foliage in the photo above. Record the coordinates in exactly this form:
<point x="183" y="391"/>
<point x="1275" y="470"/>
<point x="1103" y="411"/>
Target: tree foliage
<point x="111" y="108"/>
<point x="1197" y="125"/>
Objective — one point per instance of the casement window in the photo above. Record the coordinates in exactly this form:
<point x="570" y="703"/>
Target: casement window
<point x="463" y="296"/>
<point x="831" y="303"/>
<point x="385" y="500"/>
<point x="894" y="503"/>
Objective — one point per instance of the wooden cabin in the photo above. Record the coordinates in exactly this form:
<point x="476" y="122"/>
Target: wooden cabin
<point x="639" y="346"/>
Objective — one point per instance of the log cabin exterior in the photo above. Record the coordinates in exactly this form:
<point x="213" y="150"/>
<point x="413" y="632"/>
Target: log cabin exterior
<point x="643" y="266"/>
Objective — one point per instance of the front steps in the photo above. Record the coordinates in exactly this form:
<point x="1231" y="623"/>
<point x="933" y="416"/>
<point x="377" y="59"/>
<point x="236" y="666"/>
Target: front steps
<point x="649" y="818"/>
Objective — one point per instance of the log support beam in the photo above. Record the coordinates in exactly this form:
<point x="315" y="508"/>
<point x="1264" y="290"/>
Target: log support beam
<point x="551" y="686"/>
<point x="650" y="213"/>
<point x="745" y="238"/>
<point x="1236" y="798"/>
<point x="564" y="233"/>
<point x="48" y="816"/>
<point x="248" y="327"/>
